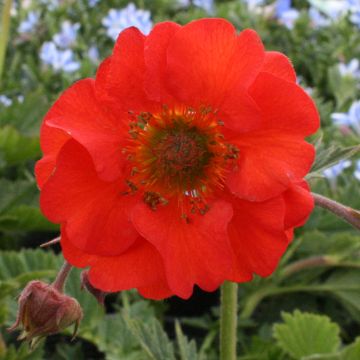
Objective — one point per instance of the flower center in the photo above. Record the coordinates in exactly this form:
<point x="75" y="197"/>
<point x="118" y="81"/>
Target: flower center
<point x="178" y="153"/>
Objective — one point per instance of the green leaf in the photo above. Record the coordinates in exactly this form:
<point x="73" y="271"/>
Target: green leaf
<point x="304" y="334"/>
<point x="330" y="156"/>
<point x="16" y="148"/>
<point x="152" y="338"/>
<point x="187" y="349"/>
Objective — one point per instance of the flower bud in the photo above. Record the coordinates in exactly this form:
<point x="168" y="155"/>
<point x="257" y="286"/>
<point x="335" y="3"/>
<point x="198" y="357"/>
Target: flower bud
<point x="85" y="283"/>
<point x="44" y="310"/>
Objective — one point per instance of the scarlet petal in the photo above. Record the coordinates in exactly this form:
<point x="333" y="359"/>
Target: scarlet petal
<point x="51" y="141"/>
<point x="156" y="45"/>
<point x="193" y="253"/>
<point x="126" y="71"/>
<point x="94" y="211"/>
<point x="257" y="237"/>
<point x="268" y="162"/>
<point x="284" y="105"/>
<point x="139" y="267"/>
<point x="279" y="65"/>
<point x="299" y="204"/>
<point x="79" y="114"/>
<point x="206" y="59"/>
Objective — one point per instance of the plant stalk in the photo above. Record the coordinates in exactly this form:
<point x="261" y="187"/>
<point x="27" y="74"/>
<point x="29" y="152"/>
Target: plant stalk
<point x="4" y="33"/>
<point x="61" y="277"/>
<point x="228" y="321"/>
<point x="346" y="213"/>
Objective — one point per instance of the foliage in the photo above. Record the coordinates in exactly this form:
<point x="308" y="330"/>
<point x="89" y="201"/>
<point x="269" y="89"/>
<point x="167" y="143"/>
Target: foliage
<point x="315" y="290"/>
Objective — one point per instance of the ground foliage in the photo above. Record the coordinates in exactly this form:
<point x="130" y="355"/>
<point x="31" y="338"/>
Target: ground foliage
<point x="309" y="309"/>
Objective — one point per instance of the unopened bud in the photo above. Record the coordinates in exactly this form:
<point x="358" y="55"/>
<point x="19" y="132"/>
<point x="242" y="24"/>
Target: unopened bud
<point x="85" y="283"/>
<point x="44" y="310"/>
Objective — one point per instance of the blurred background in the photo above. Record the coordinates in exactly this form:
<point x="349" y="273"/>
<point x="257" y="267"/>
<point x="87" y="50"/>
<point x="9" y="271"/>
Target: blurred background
<point x="310" y="308"/>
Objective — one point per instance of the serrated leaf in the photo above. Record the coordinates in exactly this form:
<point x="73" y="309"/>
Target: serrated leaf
<point x="304" y="334"/>
<point x="330" y="156"/>
<point x="152" y="338"/>
<point x="187" y="349"/>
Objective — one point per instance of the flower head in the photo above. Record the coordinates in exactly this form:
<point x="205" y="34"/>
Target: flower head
<point x="285" y="13"/>
<point x="67" y="36"/>
<point x="5" y="100"/>
<point x="118" y="20"/>
<point x="177" y="167"/>
<point x="44" y="310"/>
<point x="352" y="69"/>
<point x="30" y="23"/>
<point x="58" y="59"/>
<point x="351" y="119"/>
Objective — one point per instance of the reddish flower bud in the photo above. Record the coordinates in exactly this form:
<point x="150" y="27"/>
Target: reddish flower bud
<point x="85" y="284"/>
<point x="44" y="310"/>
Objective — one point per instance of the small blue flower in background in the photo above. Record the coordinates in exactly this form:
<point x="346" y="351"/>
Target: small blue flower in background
<point x="317" y="18"/>
<point x="334" y="171"/>
<point x="58" y="59"/>
<point x="254" y="4"/>
<point x="349" y="119"/>
<point x="335" y="9"/>
<point x="6" y="101"/>
<point x="351" y="69"/>
<point x="67" y="36"/>
<point x="93" y="3"/>
<point x="30" y="23"/>
<point x="93" y="54"/>
<point x="357" y="170"/>
<point x="285" y="13"/>
<point x="207" y="5"/>
<point x="118" y="20"/>
<point x="355" y="15"/>
<point x="50" y="4"/>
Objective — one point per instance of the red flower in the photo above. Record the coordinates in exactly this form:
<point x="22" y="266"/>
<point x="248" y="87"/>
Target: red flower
<point x="181" y="163"/>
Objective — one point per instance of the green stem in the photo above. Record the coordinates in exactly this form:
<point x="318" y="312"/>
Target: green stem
<point x="4" y="32"/>
<point x="228" y="321"/>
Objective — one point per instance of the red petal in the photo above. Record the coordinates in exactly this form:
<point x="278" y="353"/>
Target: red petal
<point x="125" y="75"/>
<point x="78" y="113"/>
<point x="139" y="267"/>
<point x="155" y="59"/>
<point x="194" y="253"/>
<point x="299" y="204"/>
<point x="51" y="141"/>
<point x="268" y="162"/>
<point x="257" y="237"/>
<point x="279" y="65"/>
<point x="94" y="211"/>
<point x="206" y="60"/>
<point x="284" y="105"/>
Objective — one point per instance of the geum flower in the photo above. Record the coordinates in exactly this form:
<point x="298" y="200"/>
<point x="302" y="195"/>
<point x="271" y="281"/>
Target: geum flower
<point x="182" y="163"/>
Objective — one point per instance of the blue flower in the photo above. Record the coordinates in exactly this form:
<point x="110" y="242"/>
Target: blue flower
<point x="352" y="69"/>
<point x="207" y="5"/>
<point x="317" y="18"/>
<point x="285" y="13"/>
<point x="6" y="101"/>
<point x="93" y="54"/>
<point x="357" y="170"/>
<point x="118" y="20"/>
<point x="334" y="171"/>
<point x="349" y="119"/>
<point x="30" y="23"/>
<point x="58" y="59"/>
<point x="92" y="3"/>
<point x="67" y="36"/>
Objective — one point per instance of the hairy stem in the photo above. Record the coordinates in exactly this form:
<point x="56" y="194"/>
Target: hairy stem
<point x="61" y="277"/>
<point x="228" y="321"/>
<point x="344" y="212"/>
